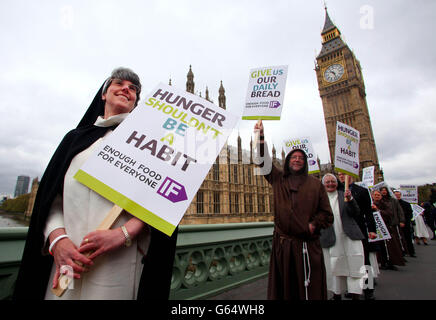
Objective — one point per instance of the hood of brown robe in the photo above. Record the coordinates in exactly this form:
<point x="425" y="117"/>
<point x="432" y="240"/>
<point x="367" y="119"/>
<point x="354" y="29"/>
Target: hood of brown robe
<point x="300" y="199"/>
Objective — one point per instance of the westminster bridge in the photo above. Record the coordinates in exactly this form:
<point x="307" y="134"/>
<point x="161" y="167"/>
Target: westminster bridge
<point x="210" y="259"/>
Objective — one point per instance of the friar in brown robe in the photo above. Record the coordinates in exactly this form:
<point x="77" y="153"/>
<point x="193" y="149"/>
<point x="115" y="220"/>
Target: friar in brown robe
<point x="301" y="210"/>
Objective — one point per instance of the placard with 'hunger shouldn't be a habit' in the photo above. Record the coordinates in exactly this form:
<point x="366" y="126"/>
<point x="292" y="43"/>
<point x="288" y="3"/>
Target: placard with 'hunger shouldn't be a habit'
<point x="154" y="162"/>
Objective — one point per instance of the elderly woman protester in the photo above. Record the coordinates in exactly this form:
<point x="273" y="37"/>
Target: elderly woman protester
<point x="130" y="261"/>
<point x="398" y="220"/>
<point x="391" y="252"/>
<point x="344" y="257"/>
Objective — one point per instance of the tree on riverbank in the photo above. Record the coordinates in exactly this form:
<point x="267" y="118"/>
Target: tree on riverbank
<point x="18" y="204"/>
<point x="424" y="192"/>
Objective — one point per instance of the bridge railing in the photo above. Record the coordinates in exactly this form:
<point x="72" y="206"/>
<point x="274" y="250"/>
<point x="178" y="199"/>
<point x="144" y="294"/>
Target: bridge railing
<point x="209" y="259"/>
<point x="213" y="258"/>
<point x="11" y="250"/>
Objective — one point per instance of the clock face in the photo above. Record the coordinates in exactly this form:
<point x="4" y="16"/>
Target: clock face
<point x="334" y="73"/>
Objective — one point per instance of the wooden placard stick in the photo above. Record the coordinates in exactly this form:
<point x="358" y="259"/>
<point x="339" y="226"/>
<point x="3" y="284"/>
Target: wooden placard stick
<point x="257" y="135"/>
<point x="106" y="224"/>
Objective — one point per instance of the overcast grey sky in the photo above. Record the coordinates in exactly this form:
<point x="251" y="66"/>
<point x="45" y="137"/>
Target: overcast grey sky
<point x="56" y="54"/>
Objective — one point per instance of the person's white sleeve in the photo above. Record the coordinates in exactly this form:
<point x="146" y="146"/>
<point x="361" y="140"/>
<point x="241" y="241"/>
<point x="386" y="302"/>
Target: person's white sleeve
<point x="55" y="219"/>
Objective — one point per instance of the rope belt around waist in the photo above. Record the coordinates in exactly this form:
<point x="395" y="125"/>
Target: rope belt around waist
<point x="283" y="237"/>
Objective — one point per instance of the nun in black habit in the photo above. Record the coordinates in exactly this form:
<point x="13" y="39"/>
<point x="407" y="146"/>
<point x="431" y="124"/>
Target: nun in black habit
<point x="66" y="214"/>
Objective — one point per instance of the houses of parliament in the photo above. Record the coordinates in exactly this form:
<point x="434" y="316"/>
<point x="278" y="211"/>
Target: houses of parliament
<point x="231" y="192"/>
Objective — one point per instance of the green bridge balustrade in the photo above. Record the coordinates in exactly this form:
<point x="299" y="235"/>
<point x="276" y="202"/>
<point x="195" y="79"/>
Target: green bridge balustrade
<point x="11" y="250"/>
<point x="209" y="259"/>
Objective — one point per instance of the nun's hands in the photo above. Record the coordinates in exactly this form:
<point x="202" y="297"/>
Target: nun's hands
<point x="67" y="257"/>
<point x="102" y="241"/>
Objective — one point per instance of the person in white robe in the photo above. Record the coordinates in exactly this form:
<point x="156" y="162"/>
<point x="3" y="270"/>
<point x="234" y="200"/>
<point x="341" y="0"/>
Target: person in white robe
<point x="420" y="230"/>
<point x="342" y="246"/>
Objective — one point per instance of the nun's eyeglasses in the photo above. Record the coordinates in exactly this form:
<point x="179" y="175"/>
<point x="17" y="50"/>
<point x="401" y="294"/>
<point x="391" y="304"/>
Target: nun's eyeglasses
<point x="297" y="158"/>
<point x="132" y="87"/>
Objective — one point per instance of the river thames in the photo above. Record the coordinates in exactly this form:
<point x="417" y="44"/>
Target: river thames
<point x="10" y="220"/>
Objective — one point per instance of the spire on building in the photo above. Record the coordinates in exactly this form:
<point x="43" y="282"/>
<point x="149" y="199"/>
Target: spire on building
<point x="331" y="37"/>
<point x="251" y="149"/>
<point x="190" y="81"/>
<point x="222" y="97"/>
<point x="328" y="24"/>
<point x="239" y="148"/>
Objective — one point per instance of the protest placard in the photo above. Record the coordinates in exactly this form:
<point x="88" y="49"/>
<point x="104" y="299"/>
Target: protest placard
<point x="363" y="185"/>
<point x="368" y="176"/>
<point x="154" y="162"/>
<point x="347" y="150"/>
<point x="381" y="229"/>
<point x="265" y="93"/>
<point x="305" y="145"/>
<point x="417" y="210"/>
<point x="409" y="193"/>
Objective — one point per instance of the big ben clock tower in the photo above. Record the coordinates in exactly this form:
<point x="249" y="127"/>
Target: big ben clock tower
<point x="343" y="96"/>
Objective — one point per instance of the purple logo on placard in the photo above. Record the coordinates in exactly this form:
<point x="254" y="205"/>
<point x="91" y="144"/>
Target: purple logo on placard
<point x="355" y="165"/>
<point x="312" y="162"/>
<point x="274" y="104"/>
<point x="172" y="190"/>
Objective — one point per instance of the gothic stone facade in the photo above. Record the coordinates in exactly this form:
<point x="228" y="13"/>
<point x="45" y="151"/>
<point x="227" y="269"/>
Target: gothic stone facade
<point x="231" y="192"/>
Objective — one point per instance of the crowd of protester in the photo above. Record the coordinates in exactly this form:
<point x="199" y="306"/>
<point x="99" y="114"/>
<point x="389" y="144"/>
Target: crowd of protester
<point x="352" y="265"/>
<point x="326" y="242"/>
